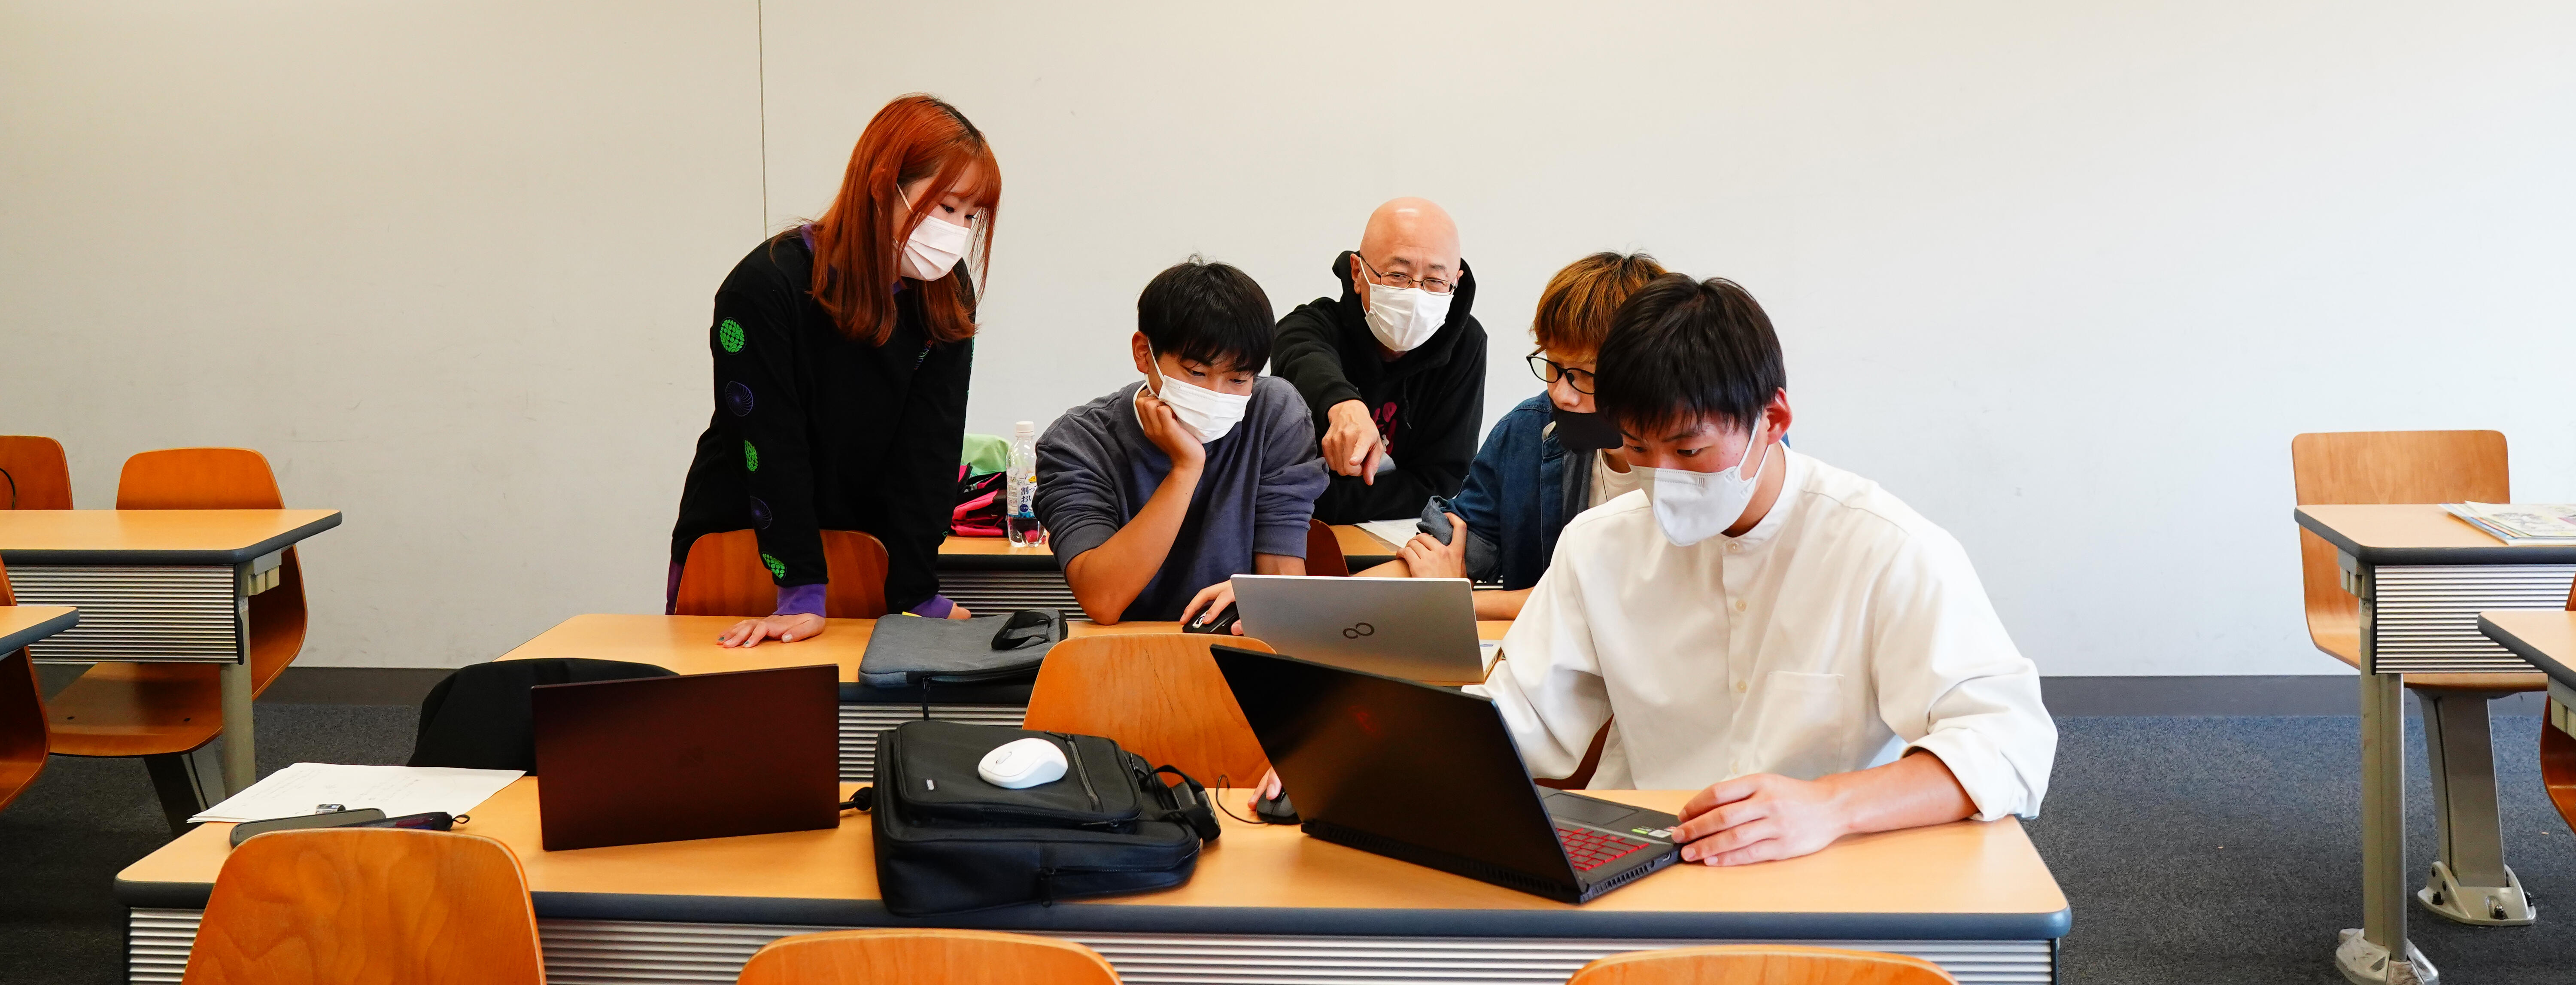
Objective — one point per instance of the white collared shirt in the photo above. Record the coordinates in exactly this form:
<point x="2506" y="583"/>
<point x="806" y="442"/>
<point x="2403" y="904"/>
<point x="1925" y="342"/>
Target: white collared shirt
<point x="1840" y="631"/>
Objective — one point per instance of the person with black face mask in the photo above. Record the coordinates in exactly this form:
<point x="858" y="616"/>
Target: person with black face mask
<point x="1549" y="459"/>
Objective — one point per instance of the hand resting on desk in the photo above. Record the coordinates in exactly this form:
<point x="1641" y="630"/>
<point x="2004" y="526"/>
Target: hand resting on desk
<point x="1766" y="816"/>
<point x="785" y="629"/>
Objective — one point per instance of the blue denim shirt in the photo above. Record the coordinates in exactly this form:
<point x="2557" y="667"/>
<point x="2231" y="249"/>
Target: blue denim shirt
<point x="1518" y="495"/>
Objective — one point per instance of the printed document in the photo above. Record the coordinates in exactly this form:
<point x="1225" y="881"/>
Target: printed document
<point x="395" y="790"/>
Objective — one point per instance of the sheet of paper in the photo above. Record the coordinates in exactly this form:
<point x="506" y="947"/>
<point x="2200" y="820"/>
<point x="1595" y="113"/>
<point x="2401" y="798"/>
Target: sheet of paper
<point x="1394" y="532"/>
<point x="1490" y="650"/>
<point x="395" y="790"/>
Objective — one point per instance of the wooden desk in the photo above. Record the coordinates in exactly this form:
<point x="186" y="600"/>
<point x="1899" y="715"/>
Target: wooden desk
<point x="24" y="624"/>
<point x="987" y="572"/>
<point x="686" y="644"/>
<point x="1266" y="904"/>
<point x="2546" y="638"/>
<point x="2422" y="576"/>
<point x="158" y="586"/>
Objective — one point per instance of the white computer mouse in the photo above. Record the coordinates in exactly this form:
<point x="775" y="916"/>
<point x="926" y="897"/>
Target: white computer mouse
<point x="1022" y="764"/>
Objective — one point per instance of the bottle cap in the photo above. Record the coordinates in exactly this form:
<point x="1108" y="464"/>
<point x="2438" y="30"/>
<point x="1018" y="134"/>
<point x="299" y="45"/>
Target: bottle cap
<point x="1025" y="427"/>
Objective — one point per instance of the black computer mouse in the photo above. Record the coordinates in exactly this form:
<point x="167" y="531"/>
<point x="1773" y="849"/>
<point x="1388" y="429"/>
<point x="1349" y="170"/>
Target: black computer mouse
<point x="1275" y="810"/>
<point x="1219" y="622"/>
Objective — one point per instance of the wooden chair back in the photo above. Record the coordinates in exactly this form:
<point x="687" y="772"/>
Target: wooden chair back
<point x="226" y="479"/>
<point x="2381" y="467"/>
<point x="1760" y="964"/>
<point x="1159" y="695"/>
<point x="24" y="739"/>
<point x="383" y="905"/>
<point x="1324" y="551"/>
<point x="924" y="957"/>
<point x="198" y="479"/>
<point x="33" y="474"/>
<point x="725" y="575"/>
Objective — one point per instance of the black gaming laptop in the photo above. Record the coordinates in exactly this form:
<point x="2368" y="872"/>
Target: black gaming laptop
<point x="1430" y="776"/>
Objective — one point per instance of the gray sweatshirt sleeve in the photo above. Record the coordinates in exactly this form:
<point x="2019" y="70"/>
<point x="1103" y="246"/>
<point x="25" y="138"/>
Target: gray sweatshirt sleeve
<point x="1077" y="497"/>
<point x="1292" y="472"/>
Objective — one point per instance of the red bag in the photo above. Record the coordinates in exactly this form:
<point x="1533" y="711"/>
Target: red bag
<point x="979" y="504"/>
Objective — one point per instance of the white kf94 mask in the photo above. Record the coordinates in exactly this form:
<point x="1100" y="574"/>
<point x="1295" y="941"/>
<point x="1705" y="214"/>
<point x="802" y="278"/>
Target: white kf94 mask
<point x="1695" y="506"/>
<point x="934" y="247"/>
<point x="1403" y="318"/>
<point x="1206" y="413"/>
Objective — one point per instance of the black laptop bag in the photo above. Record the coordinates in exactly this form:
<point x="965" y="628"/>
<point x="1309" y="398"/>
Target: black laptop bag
<point x="949" y="842"/>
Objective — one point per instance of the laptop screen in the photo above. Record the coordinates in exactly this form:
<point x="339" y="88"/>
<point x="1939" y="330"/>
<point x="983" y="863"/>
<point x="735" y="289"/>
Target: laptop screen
<point x="1417" y="764"/>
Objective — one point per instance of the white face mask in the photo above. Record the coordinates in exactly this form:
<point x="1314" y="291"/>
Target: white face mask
<point x="1206" y="413"/>
<point x="1403" y="318"/>
<point x="934" y="247"/>
<point x="1695" y="506"/>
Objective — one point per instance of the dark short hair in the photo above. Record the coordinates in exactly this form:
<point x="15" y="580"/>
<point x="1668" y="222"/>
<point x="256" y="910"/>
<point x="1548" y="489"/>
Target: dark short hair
<point x="1681" y="350"/>
<point x="1209" y="313"/>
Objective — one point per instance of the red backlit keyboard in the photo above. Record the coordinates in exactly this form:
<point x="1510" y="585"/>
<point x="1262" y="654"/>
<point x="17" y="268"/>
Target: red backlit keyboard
<point x="1589" y="849"/>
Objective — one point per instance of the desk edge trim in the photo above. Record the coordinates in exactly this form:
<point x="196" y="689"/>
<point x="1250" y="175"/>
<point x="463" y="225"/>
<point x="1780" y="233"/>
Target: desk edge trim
<point x="1298" y="921"/>
<point x="39" y="631"/>
<point x="2519" y="647"/>
<point x="2498" y="552"/>
<point x="140" y="559"/>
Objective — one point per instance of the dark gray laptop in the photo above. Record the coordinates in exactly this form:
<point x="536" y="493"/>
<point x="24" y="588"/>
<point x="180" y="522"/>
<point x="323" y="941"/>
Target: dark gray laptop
<point x="1430" y="776"/>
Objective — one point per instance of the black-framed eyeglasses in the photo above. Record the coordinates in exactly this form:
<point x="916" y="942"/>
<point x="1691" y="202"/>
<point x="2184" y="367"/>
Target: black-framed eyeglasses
<point x="1402" y="281"/>
<point x="1579" y="379"/>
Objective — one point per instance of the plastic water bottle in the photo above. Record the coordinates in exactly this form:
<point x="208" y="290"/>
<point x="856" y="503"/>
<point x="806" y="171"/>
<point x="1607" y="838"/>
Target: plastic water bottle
<point x="1020" y="515"/>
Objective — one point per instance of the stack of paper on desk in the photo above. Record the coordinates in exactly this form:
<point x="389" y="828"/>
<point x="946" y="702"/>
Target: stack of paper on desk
<point x="2533" y="523"/>
<point x="395" y="790"/>
<point x="1394" y="532"/>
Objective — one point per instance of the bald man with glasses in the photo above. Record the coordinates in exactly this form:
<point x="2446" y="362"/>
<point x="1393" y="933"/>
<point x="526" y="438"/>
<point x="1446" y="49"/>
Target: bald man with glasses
<point x="1393" y="369"/>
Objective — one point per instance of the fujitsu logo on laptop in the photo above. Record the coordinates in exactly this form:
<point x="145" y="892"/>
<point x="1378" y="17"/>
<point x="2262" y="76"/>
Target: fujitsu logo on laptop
<point x="1358" y="630"/>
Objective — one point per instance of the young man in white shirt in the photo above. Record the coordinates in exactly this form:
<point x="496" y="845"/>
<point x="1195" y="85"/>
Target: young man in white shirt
<point x="1816" y="657"/>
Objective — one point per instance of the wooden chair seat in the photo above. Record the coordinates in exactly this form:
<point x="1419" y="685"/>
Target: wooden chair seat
<point x="1760" y="964"/>
<point x="137" y="710"/>
<point x="1160" y="695"/>
<point x="924" y="957"/>
<point x="725" y="576"/>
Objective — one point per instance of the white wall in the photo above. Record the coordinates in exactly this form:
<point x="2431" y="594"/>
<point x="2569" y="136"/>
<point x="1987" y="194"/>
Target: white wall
<point x="445" y="265"/>
<point x="2065" y="278"/>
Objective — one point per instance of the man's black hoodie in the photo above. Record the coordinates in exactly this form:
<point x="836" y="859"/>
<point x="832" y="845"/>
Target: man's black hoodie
<point x="1429" y="403"/>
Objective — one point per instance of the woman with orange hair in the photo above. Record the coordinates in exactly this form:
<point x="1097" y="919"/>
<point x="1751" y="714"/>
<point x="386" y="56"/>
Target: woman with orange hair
<point x="842" y="349"/>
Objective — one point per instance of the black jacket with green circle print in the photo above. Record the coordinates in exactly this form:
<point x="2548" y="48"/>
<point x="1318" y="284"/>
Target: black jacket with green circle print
<point x="814" y="431"/>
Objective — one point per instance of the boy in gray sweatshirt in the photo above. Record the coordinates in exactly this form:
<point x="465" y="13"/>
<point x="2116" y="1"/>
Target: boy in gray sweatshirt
<point x="1155" y="494"/>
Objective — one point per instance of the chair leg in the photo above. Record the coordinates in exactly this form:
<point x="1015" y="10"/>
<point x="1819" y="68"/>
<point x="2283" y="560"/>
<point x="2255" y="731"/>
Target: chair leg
<point x="2470" y="883"/>
<point x="187" y="782"/>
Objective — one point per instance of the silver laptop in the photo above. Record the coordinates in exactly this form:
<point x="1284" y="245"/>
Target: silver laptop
<point x="1420" y="629"/>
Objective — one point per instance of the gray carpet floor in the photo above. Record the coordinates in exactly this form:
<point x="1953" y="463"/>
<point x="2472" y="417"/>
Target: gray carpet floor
<point x="2193" y="849"/>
